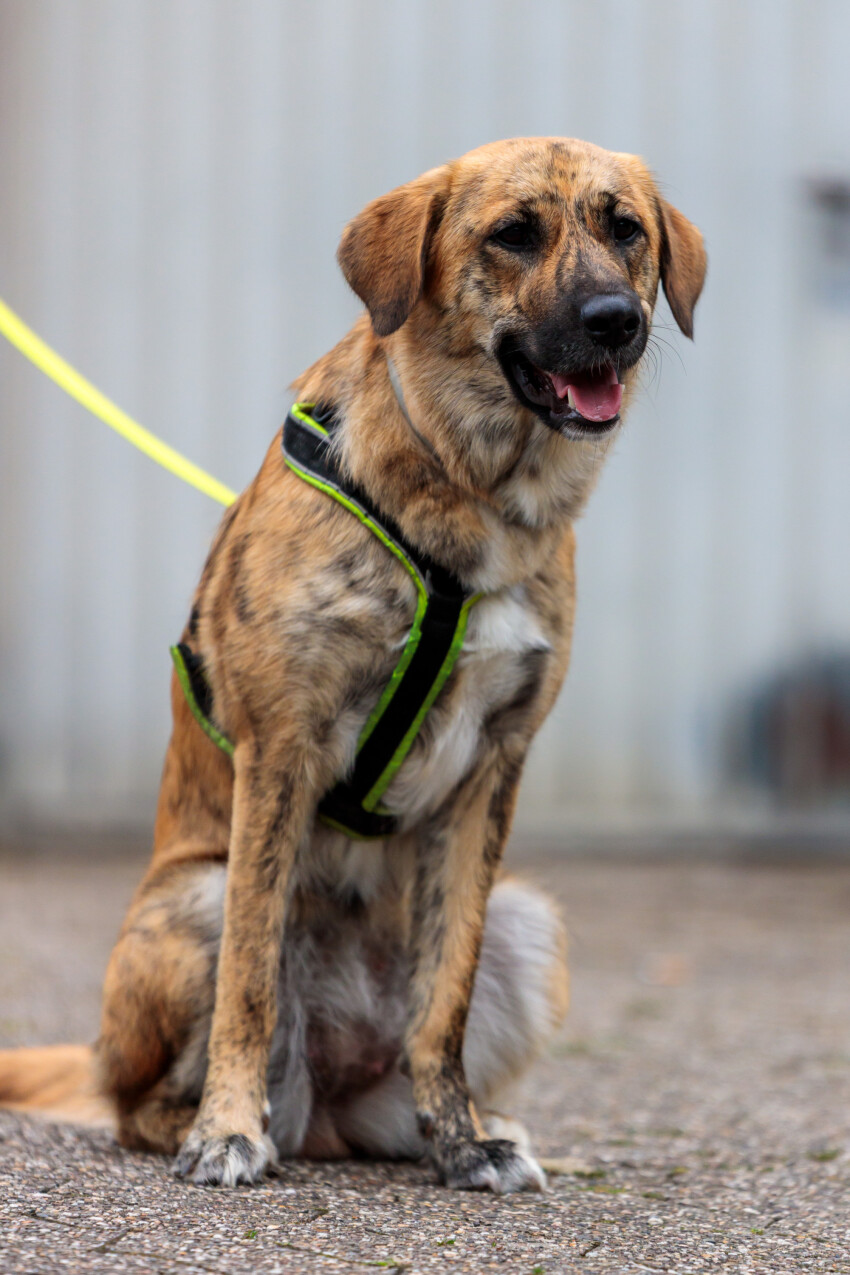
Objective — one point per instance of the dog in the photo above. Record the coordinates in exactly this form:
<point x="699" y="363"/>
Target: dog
<point x="280" y="987"/>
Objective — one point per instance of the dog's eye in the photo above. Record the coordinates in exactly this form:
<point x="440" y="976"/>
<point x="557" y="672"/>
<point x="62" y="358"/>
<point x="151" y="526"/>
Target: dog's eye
<point x="518" y="234"/>
<point x="625" y="230"/>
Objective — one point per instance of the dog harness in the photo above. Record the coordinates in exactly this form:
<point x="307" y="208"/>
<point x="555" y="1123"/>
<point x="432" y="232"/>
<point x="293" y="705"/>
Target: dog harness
<point x="353" y="805"/>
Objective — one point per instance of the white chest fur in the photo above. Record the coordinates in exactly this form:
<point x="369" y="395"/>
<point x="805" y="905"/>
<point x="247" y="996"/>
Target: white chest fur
<point x="502" y="630"/>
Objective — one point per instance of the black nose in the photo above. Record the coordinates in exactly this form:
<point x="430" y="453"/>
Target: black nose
<point x="611" y="319"/>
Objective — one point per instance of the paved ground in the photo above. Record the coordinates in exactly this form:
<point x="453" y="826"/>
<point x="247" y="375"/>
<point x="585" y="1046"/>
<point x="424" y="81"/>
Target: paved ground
<point x="698" y="1100"/>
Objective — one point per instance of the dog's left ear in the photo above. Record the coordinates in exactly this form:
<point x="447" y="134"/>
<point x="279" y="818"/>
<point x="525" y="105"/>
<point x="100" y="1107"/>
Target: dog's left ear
<point x="683" y="263"/>
<point x="383" y="252"/>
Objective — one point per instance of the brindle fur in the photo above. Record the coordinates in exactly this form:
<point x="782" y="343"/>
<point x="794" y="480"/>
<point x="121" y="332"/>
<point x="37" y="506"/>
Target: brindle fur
<point x="299" y="618"/>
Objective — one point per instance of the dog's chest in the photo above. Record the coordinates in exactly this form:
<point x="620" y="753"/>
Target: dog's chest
<point x="501" y="655"/>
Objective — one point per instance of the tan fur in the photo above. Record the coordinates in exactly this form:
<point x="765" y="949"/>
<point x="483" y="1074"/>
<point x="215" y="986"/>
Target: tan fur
<point x="232" y="983"/>
<point x="57" y="1081"/>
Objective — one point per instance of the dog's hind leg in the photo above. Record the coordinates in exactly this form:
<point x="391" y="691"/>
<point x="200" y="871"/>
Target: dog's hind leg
<point x="156" y="1124"/>
<point x="157" y="1004"/>
<point x="519" y="999"/>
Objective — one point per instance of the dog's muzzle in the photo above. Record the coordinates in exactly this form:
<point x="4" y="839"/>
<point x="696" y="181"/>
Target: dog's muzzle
<point x="570" y="374"/>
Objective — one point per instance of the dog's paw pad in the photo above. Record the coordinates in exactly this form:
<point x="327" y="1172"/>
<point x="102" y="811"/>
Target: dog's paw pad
<point x="233" y="1159"/>
<point x="495" y="1165"/>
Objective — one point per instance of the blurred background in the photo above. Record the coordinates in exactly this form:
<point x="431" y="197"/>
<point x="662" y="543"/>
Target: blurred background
<point x="174" y="178"/>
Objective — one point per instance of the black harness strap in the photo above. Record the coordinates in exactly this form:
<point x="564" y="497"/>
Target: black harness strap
<point x="353" y="803"/>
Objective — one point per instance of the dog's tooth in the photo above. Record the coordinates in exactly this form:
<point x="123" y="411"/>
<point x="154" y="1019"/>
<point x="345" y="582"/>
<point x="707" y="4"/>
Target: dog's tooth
<point x="571" y="400"/>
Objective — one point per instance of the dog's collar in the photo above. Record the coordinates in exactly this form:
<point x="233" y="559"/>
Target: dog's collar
<point x="354" y="805"/>
<point x="395" y="382"/>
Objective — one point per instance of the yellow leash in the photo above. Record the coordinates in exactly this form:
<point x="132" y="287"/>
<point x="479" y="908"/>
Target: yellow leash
<point x="49" y="362"/>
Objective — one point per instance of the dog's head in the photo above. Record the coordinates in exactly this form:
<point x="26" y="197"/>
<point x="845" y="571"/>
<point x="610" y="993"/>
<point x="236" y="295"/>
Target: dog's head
<point x="542" y="254"/>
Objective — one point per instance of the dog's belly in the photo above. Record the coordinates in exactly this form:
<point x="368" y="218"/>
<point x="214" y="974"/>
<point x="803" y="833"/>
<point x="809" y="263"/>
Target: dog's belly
<point x="503" y="638"/>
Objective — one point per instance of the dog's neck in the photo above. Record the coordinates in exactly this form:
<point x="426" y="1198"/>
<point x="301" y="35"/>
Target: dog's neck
<point x="471" y="476"/>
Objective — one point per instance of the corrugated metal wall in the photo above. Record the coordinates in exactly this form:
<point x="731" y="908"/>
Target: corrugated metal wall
<point x="173" y="180"/>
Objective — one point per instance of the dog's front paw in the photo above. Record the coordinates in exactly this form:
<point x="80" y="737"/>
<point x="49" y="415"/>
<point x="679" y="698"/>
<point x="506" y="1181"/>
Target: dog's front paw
<point x="495" y="1165"/>
<point x="223" y="1159"/>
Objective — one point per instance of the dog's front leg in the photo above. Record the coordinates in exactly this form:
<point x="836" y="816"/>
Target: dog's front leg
<point x="456" y="863"/>
<point x="271" y="805"/>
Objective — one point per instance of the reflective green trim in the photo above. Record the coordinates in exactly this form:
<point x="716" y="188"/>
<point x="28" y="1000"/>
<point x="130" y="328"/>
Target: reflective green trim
<point x="204" y="722"/>
<point x="348" y="832"/>
<point x="300" y="412"/>
<point x="339" y="495"/>
<point x="380" y="786"/>
<point x="398" y="672"/>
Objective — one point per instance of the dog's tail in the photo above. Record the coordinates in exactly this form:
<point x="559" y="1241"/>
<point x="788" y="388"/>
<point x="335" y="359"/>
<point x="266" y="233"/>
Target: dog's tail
<point x="56" y="1082"/>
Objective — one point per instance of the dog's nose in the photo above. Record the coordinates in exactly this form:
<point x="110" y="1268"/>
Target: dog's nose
<point x="611" y="319"/>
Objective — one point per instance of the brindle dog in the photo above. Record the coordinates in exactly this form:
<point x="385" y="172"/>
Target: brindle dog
<point x="280" y="990"/>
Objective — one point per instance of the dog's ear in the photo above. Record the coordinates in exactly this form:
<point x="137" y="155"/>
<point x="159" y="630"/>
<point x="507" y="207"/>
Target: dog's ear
<point x="683" y="263"/>
<point x="383" y="251"/>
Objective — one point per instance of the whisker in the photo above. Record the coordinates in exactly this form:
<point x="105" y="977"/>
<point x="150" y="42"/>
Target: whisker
<point x="668" y="345"/>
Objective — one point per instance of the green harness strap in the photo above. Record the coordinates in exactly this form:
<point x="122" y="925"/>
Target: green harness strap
<point x="353" y="805"/>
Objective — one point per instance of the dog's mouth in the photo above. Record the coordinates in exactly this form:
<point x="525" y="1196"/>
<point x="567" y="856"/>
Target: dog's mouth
<point x="581" y="404"/>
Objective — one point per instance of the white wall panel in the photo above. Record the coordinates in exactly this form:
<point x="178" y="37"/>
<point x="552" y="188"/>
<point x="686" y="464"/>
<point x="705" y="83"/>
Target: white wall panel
<point x="174" y="180"/>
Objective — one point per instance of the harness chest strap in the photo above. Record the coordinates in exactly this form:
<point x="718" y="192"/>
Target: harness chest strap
<point x="353" y="805"/>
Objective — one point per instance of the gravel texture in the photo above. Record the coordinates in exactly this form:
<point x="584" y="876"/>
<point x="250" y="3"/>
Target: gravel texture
<point x="696" y="1106"/>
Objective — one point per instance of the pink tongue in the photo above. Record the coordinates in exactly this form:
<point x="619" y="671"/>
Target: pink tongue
<point x="597" y="398"/>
